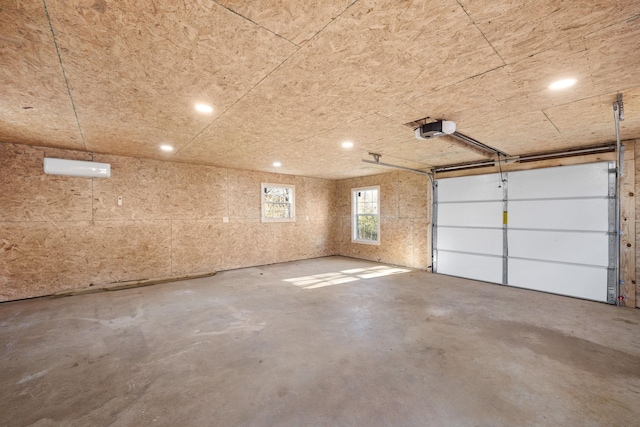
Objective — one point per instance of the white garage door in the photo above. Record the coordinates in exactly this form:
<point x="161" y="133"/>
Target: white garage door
<point x="549" y="229"/>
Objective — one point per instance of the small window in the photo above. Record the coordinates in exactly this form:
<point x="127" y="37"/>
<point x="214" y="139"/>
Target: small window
<point x="366" y="215"/>
<point x="278" y="203"/>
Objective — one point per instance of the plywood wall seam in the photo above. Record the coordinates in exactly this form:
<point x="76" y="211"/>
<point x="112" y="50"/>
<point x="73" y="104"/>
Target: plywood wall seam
<point x="93" y="212"/>
<point x="226" y="189"/>
<point x="171" y="246"/>
<point x="398" y="194"/>
<point x="413" y="246"/>
<point x="64" y="74"/>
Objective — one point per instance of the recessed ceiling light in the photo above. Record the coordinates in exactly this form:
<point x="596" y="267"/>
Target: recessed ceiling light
<point x="277" y="164"/>
<point x="166" y="148"/>
<point x="204" y="108"/>
<point x="347" y="144"/>
<point x="562" y="84"/>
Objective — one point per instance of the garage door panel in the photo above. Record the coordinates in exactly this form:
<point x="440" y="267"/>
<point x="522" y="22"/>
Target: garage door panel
<point x="481" y="214"/>
<point x="477" y="267"/>
<point x="571" y="280"/>
<point x="568" y="181"/>
<point x="578" y="248"/>
<point x="476" y="240"/>
<point x="557" y="234"/>
<point x="470" y="188"/>
<point x="581" y="214"/>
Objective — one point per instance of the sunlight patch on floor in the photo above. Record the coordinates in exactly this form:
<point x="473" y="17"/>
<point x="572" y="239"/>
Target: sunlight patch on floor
<point x="345" y="276"/>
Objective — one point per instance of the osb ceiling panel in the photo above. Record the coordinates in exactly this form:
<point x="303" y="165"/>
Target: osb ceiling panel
<point x="355" y="67"/>
<point x="127" y="139"/>
<point x="481" y="100"/>
<point x="528" y="133"/>
<point x="518" y="29"/>
<point x="32" y="86"/>
<point x="602" y="62"/>
<point x="594" y="115"/>
<point x="505" y="108"/>
<point x="146" y="64"/>
<point x="289" y="81"/>
<point x="296" y="21"/>
<point x="396" y="145"/>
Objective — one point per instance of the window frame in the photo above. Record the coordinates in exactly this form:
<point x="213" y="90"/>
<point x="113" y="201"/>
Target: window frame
<point x="354" y="215"/>
<point x="292" y="203"/>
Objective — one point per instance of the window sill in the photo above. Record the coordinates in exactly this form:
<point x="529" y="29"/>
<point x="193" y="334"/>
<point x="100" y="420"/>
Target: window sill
<point x="366" y="242"/>
<point x="278" y="220"/>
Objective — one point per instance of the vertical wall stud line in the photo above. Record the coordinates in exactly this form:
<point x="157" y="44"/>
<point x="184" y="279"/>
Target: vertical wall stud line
<point x="93" y="215"/>
<point x="226" y="189"/>
<point x="413" y="245"/>
<point x="93" y="197"/>
<point x="398" y="195"/>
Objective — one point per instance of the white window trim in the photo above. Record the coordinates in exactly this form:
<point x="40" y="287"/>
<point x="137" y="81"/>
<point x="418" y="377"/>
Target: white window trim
<point x="293" y="202"/>
<point x="353" y="215"/>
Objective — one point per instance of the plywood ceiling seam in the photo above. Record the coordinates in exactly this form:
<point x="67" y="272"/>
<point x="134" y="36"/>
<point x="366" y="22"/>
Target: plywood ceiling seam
<point x="233" y="104"/>
<point x="267" y="75"/>
<point x="568" y="41"/>
<point x="586" y="98"/>
<point x="505" y="66"/>
<point x="476" y="76"/>
<point x="329" y="130"/>
<point x="482" y="32"/>
<point x="522" y="29"/>
<point x="612" y="24"/>
<point x="321" y="30"/>
<point x="64" y="74"/>
<point x="551" y="121"/>
<point x="254" y="22"/>
<point x="290" y="81"/>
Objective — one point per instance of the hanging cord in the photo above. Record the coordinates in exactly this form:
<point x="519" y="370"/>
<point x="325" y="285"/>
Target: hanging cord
<point x="500" y="169"/>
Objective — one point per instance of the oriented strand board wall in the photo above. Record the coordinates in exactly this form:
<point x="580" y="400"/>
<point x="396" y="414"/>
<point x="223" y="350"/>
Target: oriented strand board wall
<point x="636" y="254"/>
<point x="628" y="200"/>
<point x="63" y="232"/>
<point x="405" y="226"/>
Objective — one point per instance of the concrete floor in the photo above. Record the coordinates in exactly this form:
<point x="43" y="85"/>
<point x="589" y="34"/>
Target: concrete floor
<point x="378" y="347"/>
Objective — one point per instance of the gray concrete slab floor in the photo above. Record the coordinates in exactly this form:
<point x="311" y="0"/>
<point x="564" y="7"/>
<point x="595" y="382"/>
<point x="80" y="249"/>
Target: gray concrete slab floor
<point x="323" y="342"/>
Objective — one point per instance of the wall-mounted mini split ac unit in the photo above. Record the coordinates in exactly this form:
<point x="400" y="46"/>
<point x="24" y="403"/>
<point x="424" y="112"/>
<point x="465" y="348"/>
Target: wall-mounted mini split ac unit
<point x="76" y="168"/>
